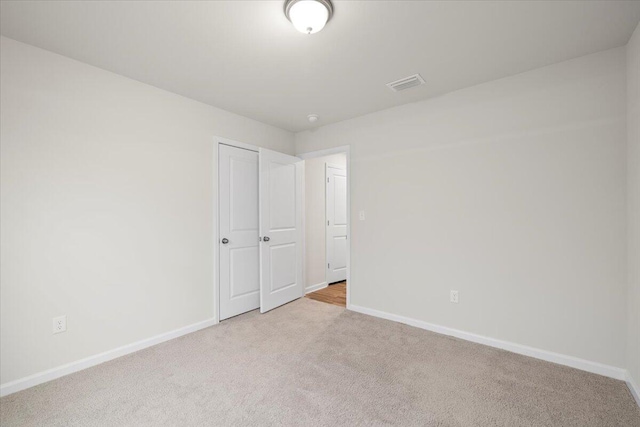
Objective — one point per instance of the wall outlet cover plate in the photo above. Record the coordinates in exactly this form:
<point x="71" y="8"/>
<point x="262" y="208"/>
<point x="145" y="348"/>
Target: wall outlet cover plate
<point x="59" y="324"/>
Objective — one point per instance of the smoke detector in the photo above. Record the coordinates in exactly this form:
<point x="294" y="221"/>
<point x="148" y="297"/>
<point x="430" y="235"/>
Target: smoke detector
<point x="406" y="83"/>
<point x="312" y="118"/>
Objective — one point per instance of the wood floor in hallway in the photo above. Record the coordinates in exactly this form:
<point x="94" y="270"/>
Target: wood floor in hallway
<point x="335" y="294"/>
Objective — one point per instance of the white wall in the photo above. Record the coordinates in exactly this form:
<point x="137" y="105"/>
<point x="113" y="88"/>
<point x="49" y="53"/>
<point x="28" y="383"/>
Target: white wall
<point x="315" y="217"/>
<point x="633" y="171"/>
<point x="107" y="194"/>
<point x="511" y="192"/>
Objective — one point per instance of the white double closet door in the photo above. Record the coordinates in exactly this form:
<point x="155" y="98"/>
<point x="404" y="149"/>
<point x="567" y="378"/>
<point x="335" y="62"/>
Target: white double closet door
<point x="260" y="228"/>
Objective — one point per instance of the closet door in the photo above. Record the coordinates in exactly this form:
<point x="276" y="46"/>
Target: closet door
<point x="281" y="219"/>
<point x="336" y="234"/>
<point x="239" y="250"/>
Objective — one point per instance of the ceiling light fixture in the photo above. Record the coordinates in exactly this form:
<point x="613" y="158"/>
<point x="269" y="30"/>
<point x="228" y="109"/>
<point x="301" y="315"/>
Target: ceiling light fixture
<point x="308" y="16"/>
<point x="312" y="118"/>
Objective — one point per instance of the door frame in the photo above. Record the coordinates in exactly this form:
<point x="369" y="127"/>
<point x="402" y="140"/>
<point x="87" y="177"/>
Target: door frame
<point x="346" y="149"/>
<point x="216" y="210"/>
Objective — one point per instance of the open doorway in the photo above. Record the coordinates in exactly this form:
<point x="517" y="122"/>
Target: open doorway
<point x="326" y="227"/>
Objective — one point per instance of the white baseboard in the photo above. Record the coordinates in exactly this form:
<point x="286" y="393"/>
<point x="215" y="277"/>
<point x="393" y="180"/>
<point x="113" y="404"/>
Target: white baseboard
<point x="585" y="365"/>
<point x="79" y="365"/>
<point x="315" y="287"/>
<point x="634" y="388"/>
<point x="561" y="359"/>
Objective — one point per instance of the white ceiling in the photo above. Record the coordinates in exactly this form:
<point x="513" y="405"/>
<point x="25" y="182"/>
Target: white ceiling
<point x="247" y="58"/>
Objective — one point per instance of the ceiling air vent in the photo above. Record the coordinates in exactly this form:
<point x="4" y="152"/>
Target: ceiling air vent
<point x="406" y="83"/>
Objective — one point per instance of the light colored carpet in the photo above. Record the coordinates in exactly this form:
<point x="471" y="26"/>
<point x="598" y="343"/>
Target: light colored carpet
<point x="310" y="363"/>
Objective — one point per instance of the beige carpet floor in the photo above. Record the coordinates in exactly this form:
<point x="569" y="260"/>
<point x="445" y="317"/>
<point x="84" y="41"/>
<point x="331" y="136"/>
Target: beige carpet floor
<point x="315" y="364"/>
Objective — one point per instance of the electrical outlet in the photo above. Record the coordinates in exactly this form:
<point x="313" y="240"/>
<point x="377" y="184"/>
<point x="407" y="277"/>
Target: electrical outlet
<point x="361" y="215"/>
<point x="59" y="324"/>
<point x="453" y="296"/>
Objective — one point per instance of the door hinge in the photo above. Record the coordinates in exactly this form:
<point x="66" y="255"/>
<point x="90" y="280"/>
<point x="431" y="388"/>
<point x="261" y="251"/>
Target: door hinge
<point x="328" y="266"/>
<point x="327" y="222"/>
<point x="327" y="179"/>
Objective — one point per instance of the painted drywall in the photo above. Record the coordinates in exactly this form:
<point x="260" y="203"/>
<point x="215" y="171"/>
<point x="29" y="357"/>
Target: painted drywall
<point x="510" y="192"/>
<point x="633" y="188"/>
<point x="107" y="208"/>
<point x="315" y="217"/>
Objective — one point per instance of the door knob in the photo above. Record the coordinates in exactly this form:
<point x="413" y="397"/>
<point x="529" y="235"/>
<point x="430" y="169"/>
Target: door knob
<point x="266" y="238"/>
<point x="225" y="241"/>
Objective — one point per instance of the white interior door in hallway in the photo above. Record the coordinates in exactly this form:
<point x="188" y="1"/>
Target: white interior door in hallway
<point x="239" y="245"/>
<point x="281" y="229"/>
<point x="336" y="234"/>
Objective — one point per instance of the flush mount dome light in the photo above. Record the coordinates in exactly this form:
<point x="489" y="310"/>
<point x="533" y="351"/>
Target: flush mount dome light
<point x="308" y="16"/>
